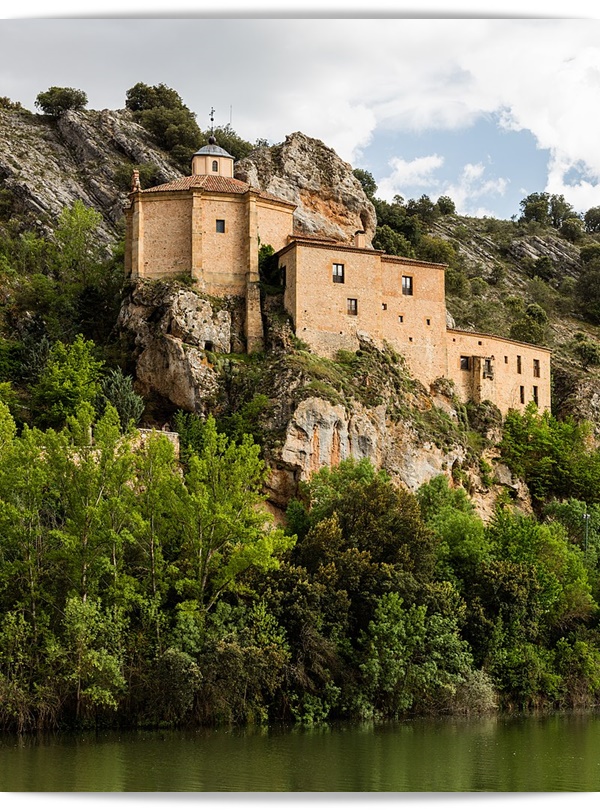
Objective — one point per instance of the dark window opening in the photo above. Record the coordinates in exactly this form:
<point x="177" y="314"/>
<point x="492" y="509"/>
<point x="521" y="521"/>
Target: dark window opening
<point x="215" y="166"/>
<point x="338" y="273"/>
<point x="506" y="359"/>
<point x="401" y="318"/>
<point x="479" y="343"/>
<point x="384" y="306"/>
<point x="465" y="363"/>
<point x="518" y="364"/>
<point x="536" y="368"/>
<point x="407" y="285"/>
<point x="522" y="393"/>
<point x="488" y="369"/>
<point x="428" y="322"/>
<point x="220" y="226"/>
<point x="282" y="274"/>
<point x="352" y="306"/>
<point x="535" y="395"/>
<point x="209" y="346"/>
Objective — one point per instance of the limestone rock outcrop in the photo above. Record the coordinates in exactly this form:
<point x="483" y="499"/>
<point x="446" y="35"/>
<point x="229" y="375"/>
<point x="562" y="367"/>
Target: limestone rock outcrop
<point x="48" y="164"/>
<point x="320" y="433"/>
<point x="174" y="331"/>
<point x="331" y="202"/>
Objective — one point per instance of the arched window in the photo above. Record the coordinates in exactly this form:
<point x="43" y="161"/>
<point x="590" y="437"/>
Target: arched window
<point x="215" y="166"/>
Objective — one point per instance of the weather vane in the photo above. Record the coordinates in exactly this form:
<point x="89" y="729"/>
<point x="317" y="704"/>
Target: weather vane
<point x="212" y="120"/>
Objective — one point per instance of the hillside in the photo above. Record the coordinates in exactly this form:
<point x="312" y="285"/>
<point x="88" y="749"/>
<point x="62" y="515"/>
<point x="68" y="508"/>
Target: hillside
<point x="427" y="555"/>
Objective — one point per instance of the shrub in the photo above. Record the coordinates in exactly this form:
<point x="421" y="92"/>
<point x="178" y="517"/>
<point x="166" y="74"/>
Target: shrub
<point x="57" y="100"/>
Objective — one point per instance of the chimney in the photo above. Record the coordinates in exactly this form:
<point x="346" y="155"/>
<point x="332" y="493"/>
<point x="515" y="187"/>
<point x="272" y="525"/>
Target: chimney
<point x="359" y="239"/>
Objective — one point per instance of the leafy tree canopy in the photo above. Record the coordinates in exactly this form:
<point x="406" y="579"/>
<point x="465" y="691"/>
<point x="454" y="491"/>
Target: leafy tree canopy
<point x="57" y="100"/>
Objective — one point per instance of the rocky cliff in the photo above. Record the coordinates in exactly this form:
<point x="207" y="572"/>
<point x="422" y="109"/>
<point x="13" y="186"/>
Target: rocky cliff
<point x="47" y="164"/>
<point x="316" y="412"/>
<point x="330" y="200"/>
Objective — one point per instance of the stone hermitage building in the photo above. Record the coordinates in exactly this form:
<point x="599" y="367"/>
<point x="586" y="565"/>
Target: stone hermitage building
<point x="210" y="225"/>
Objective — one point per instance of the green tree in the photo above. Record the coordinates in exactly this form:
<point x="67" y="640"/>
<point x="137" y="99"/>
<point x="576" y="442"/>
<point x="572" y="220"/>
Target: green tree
<point x="412" y="657"/>
<point x="93" y="665"/>
<point x="367" y="181"/>
<point x="224" y="531"/>
<point x="561" y="211"/>
<point x="591" y="219"/>
<point x="70" y="379"/>
<point x="434" y="249"/>
<point x="587" y="290"/>
<point x="78" y="256"/>
<point x="145" y="97"/>
<point x="161" y="111"/>
<point x="57" y="100"/>
<point x="392" y="242"/>
<point x="117" y="389"/>
<point x="536" y="208"/>
<point x="446" y="205"/>
<point x="572" y="229"/>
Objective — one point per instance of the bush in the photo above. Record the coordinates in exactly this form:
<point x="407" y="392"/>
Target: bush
<point x="390" y="241"/>
<point x="57" y="100"/>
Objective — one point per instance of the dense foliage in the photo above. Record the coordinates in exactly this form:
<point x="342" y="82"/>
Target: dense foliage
<point x="57" y="100"/>
<point x="161" y="110"/>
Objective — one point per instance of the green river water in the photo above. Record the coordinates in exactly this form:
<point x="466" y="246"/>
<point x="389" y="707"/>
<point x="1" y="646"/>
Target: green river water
<point x="549" y="753"/>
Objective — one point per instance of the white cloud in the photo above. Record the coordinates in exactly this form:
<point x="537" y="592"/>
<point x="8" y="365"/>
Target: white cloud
<point x="417" y="172"/>
<point x="420" y="174"/>
<point x="337" y="79"/>
<point x="471" y="186"/>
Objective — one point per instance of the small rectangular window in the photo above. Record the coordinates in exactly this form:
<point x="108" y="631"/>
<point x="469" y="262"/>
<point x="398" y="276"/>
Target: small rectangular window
<point x="518" y="364"/>
<point x="400" y="319"/>
<point x="383" y="306"/>
<point x="522" y="393"/>
<point x="407" y="285"/>
<point x="428" y="321"/>
<point x="338" y="273"/>
<point x="220" y="226"/>
<point x="535" y="395"/>
<point x="352" y="306"/>
<point x="536" y="368"/>
<point x="506" y="359"/>
<point x="465" y="363"/>
<point x="488" y="368"/>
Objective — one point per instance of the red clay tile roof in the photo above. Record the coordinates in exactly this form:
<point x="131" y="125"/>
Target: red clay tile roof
<point x="227" y="185"/>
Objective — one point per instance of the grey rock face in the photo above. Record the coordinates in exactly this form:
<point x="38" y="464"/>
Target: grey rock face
<point x="331" y="202"/>
<point x="173" y="330"/>
<point x="50" y="164"/>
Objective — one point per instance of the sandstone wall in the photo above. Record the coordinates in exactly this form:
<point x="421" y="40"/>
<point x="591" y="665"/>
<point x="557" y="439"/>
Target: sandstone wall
<point x="415" y="325"/>
<point x="165" y="229"/>
<point x="275" y="224"/>
<point x="224" y="259"/>
<point x="504" y="389"/>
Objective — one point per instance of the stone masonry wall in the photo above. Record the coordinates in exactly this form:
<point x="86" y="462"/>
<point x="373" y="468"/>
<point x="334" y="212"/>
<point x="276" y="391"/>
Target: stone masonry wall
<point x="504" y="389"/>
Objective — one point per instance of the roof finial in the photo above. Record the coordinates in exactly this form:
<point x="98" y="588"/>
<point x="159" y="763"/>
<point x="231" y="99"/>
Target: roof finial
<point x="212" y="139"/>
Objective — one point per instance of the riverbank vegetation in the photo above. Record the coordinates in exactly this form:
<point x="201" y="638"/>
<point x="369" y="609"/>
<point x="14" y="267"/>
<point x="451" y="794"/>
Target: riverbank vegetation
<point x="137" y="588"/>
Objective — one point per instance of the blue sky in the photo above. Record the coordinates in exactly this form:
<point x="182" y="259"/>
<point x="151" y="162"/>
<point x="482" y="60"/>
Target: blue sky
<point x="507" y="165"/>
<point x="484" y="110"/>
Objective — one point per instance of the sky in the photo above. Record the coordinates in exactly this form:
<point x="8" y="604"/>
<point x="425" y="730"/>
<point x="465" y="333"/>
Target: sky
<point x="483" y="110"/>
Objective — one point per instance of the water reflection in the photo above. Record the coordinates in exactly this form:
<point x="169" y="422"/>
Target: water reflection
<point x="553" y="753"/>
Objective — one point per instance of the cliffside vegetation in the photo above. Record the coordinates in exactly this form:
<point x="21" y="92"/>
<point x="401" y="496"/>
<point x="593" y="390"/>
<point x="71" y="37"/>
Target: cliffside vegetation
<point x="142" y="587"/>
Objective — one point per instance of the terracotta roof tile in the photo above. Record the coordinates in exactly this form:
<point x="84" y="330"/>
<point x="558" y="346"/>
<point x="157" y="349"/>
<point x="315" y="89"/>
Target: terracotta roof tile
<point x="216" y="183"/>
